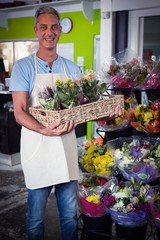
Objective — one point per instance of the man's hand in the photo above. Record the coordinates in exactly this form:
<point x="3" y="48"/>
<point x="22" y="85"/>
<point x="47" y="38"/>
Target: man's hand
<point x="118" y="112"/>
<point x="57" y="129"/>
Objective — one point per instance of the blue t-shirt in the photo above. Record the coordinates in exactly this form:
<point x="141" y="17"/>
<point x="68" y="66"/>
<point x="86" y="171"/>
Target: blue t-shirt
<point x="24" y="73"/>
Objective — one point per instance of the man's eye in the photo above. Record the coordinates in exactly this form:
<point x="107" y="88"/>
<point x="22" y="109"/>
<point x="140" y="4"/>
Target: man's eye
<point x="43" y="27"/>
<point x="55" y="27"/>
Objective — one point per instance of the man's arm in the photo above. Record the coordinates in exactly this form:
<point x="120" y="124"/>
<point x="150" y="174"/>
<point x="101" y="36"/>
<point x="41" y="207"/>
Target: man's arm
<point x="20" y="100"/>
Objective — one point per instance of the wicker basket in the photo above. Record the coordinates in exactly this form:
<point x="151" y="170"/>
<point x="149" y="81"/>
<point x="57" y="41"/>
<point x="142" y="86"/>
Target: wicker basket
<point x="80" y="114"/>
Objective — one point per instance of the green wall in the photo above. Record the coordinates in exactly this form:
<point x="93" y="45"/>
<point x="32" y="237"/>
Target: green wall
<point x="82" y="34"/>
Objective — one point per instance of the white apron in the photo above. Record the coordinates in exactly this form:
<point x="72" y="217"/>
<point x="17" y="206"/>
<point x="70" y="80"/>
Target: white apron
<point x="47" y="160"/>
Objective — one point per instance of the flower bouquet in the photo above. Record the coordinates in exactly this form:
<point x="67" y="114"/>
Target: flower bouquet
<point x="147" y="118"/>
<point x="68" y="94"/>
<point x="90" y="188"/>
<point x="137" y="157"/>
<point x="152" y="80"/>
<point x="125" y="70"/>
<point x="128" y="202"/>
<point x="95" y="158"/>
<point x="121" y="122"/>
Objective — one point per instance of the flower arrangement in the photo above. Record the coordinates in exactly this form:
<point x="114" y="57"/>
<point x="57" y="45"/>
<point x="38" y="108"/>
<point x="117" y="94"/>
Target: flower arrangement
<point x="90" y="188"/>
<point x="68" y="94"/>
<point x="65" y="95"/>
<point x="138" y="158"/>
<point x="127" y="70"/>
<point x="123" y="121"/>
<point x="96" y="159"/>
<point x="92" y="87"/>
<point x="152" y="79"/>
<point x="147" y="118"/>
<point x="131" y="75"/>
<point x="128" y="202"/>
<point x="125" y="75"/>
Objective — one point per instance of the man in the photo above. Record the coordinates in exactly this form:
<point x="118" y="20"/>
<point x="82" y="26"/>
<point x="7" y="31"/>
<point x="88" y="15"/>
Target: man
<point x="48" y="154"/>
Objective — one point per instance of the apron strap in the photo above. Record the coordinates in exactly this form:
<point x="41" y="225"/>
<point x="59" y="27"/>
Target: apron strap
<point x="35" y="64"/>
<point x="63" y="67"/>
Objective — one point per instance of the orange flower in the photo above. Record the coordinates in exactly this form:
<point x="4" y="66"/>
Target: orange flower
<point x="99" y="140"/>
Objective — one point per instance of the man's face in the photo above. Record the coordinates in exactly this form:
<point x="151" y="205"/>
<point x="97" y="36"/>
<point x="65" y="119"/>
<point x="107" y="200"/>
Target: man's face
<point x="48" y="30"/>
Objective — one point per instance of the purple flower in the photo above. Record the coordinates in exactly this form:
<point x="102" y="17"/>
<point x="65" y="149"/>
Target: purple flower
<point x="135" y="152"/>
<point x="108" y="201"/>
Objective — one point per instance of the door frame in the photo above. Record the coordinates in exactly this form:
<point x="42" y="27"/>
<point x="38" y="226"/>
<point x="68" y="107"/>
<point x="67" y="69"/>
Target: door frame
<point x="136" y="28"/>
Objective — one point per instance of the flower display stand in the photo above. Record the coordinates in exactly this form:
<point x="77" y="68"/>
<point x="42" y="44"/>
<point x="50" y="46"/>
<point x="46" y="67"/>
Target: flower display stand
<point x="131" y="233"/>
<point x="97" y="228"/>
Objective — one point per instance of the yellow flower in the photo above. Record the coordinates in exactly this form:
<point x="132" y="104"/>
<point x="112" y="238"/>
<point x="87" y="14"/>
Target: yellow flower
<point x="103" y="164"/>
<point x="71" y="84"/>
<point x="91" y="149"/>
<point x="118" y="120"/>
<point x="97" y="159"/>
<point x="68" y="80"/>
<point x="94" y="199"/>
<point x="155" y="113"/>
<point x="148" y="116"/>
<point x="58" y="82"/>
<point x="139" y="110"/>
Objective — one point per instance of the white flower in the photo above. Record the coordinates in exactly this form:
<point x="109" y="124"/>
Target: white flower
<point x="118" y="154"/>
<point x="125" y="162"/>
<point x="144" y="152"/>
<point x="118" y="205"/>
<point x="120" y="195"/>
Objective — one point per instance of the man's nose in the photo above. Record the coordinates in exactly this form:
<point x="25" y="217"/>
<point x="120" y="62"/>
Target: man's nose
<point x="50" y="30"/>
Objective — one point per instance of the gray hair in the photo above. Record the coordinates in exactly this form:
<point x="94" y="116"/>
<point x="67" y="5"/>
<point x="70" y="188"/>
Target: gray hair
<point x="43" y="10"/>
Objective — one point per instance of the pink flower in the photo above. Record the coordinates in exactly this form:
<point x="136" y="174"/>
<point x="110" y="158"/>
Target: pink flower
<point x="134" y="61"/>
<point x="91" y="209"/>
<point x="111" y="67"/>
<point x="136" y="168"/>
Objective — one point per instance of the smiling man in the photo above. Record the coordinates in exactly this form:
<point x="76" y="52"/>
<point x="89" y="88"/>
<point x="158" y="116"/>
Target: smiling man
<point x="48" y="154"/>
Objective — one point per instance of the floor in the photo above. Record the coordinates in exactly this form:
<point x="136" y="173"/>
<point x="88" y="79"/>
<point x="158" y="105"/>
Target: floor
<point x="13" y="207"/>
<point x="13" y="198"/>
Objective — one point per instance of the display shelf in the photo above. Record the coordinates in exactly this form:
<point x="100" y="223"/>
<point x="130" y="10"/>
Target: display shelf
<point x="31" y="6"/>
<point x="86" y="6"/>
